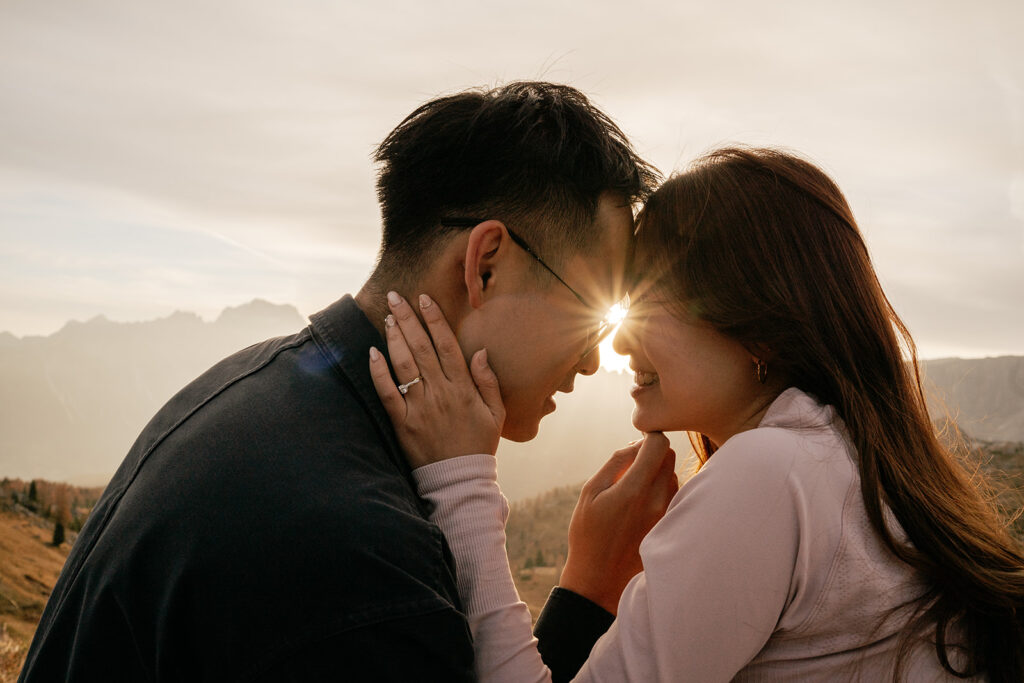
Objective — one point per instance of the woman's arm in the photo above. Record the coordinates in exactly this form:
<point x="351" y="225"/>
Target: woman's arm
<point x="607" y="527"/>
<point x="471" y="511"/>
<point x="719" y="572"/>
<point x="444" y="416"/>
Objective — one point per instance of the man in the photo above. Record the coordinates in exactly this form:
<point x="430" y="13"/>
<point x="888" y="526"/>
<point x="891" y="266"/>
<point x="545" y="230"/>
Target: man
<point x="265" y="527"/>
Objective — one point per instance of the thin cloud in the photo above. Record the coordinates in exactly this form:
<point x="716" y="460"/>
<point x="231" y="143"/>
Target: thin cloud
<point x="246" y="129"/>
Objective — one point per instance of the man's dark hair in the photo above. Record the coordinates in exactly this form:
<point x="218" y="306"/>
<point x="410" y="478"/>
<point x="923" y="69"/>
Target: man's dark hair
<point x="535" y="155"/>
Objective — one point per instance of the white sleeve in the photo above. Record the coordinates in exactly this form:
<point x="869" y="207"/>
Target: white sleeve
<point x="471" y="511"/>
<point x="718" y="573"/>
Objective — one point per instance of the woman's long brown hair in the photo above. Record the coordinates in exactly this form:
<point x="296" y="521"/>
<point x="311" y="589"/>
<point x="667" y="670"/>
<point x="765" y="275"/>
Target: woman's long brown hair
<point x="762" y="245"/>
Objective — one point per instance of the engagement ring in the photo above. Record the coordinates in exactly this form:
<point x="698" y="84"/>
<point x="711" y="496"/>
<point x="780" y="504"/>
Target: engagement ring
<point x="404" y="388"/>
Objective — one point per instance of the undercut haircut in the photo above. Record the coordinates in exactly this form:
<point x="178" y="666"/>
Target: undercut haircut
<point x="535" y="155"/>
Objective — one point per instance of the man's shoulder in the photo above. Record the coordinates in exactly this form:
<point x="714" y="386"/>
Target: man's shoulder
<point x="279" y="411"/>
<point x="280" y="393"/>
<point x="271" y="432"/>
<point x="249" y="364"/>
<point x="264" y="482"/>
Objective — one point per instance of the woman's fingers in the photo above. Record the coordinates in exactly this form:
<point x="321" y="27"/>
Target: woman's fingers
<point x="487" y="384"/>
<point x="412" y="342"/>
<point x="666" y="479"/>
<point x="649" y="461"/>
<point x="405" y="366"/>
<point x="394" y="403"/>
<point x="449" y="353"/>
<point x="614" y="467"/>
<point x="668" y="471"/>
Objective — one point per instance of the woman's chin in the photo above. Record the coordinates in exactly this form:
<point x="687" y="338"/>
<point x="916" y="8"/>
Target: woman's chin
<point x="644" y="421"/>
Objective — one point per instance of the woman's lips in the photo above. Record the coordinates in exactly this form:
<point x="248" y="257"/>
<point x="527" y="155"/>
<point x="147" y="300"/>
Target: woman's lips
<point x="645" y="379"/>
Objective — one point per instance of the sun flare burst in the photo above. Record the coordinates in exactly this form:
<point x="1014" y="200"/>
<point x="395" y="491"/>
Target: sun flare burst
<point x="611" y="361"/>
<point x="617" y="313"/>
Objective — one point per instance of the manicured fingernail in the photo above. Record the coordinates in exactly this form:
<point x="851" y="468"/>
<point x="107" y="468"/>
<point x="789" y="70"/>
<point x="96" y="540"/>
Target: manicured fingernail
<point x="390" y="320"/>
<point x="425" y="301"/>
<point x="482" y="358"/>
<point x="374" y="353"/>
<point x="394" y="299"/>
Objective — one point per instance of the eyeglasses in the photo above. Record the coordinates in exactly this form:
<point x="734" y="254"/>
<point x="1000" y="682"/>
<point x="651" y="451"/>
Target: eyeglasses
<point x="596" y="333"/>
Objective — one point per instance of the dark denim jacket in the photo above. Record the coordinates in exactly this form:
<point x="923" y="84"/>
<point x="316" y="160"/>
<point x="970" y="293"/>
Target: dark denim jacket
<point x="264" y="527"/>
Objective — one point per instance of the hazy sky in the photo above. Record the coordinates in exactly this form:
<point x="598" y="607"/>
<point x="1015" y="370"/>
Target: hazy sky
<point x="194" y="155"/>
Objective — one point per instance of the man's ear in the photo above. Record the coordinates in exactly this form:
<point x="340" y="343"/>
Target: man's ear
<point x="482" y="252"/>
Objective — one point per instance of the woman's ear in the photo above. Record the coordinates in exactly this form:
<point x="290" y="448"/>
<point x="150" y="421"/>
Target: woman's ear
<point x="483" y="251"/>
<point x="759" y="351"/>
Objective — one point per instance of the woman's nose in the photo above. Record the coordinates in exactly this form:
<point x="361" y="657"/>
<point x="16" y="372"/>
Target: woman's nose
<point x="625" y="338"/>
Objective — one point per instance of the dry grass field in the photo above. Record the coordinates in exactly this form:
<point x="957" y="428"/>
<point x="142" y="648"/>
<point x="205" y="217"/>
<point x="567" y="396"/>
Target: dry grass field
<point x="29" y="567"/>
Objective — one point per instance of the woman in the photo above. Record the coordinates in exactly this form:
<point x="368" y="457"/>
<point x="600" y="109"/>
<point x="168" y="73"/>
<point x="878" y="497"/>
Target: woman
<point x="828" y="534"/>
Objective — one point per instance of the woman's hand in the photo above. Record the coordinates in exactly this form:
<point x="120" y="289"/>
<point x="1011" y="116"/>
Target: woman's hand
<point x="450" y="410"/>
<point x="616" y="509"/>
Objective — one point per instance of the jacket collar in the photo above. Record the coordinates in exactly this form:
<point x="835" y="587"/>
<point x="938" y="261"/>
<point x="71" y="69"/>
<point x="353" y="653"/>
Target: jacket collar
<point x="344" y="334"/>
<point x="795" y="409"/>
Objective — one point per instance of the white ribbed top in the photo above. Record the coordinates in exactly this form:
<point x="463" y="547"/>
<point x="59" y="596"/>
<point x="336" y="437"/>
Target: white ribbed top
<point x="764" y="568"/>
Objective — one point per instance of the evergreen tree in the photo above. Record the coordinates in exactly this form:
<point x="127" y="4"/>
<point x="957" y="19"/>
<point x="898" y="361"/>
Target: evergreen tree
<point x="58" y="535"/>
<point x="33" y="497"/>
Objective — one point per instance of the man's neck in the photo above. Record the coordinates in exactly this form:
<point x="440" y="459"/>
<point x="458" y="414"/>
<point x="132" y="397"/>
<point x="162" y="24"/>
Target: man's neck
<point x="372" y="301"/>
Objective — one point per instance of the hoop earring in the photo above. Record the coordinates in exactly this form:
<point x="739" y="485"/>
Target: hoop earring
<point x="761" y="371"/>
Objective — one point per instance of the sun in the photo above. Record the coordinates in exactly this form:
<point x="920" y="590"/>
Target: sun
<point x="617" y="313"/>
<point x="611" y="361"/>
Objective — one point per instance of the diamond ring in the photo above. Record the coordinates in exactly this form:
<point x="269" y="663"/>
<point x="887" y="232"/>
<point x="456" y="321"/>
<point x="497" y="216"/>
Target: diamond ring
<point x="404" y="388"/>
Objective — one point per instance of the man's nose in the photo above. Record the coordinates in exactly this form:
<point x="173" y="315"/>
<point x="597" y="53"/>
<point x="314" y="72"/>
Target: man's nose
<point x="589" y="364"/>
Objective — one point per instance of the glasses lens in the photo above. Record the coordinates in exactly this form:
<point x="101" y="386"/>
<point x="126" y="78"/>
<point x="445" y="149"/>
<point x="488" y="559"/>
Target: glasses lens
<point x="617" y="313"/>
<point x="612" y="319"/>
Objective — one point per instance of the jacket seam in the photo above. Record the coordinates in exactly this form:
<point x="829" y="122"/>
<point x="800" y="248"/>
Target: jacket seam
<point x="834" y="564"/>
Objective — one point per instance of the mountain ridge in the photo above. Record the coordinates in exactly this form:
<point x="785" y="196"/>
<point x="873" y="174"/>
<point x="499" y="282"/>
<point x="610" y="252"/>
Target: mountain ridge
<point x="75" y="400"/>
<point x="256" y="306"/>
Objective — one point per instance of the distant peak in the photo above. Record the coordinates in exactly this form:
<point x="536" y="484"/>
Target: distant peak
<point x="257" y="305"/>
<point x="180" y="316"/>
<point x="260" y="309"/>
<point x="95" y="321"/>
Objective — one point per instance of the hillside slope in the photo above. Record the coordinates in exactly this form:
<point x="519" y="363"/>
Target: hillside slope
<point x="984" y="396"/>
<point x="28" y="572"/>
